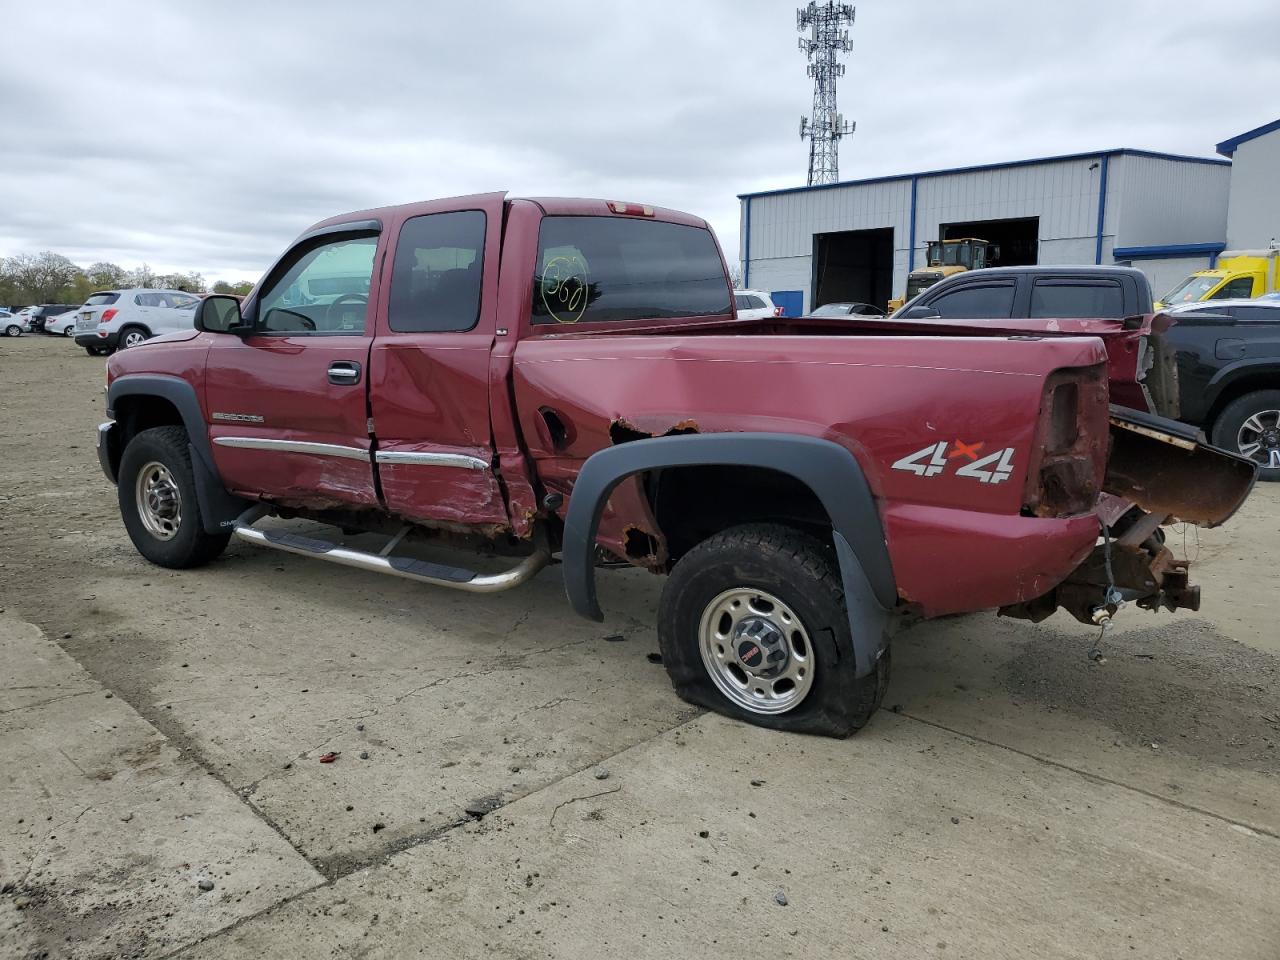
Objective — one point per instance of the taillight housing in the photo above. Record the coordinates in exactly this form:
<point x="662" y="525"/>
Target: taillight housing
<point x="1069" y="457"/>
<point x="777" y="311"/>
<point x="107" y="315"/>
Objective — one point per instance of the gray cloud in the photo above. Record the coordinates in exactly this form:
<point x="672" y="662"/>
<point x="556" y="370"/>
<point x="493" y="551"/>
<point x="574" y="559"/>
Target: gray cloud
<point x="206" y="138"/>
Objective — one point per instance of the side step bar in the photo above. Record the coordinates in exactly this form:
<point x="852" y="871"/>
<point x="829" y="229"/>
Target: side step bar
<point x="421" y="571"/>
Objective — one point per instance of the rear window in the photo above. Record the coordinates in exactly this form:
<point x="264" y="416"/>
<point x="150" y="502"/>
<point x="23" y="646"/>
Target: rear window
<point x="101" y="299"/>
<point x="1074" y="298"/>
<point x="593" y="269"/>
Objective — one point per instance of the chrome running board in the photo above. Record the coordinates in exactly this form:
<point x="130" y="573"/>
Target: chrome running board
<point x="422" y="571"/>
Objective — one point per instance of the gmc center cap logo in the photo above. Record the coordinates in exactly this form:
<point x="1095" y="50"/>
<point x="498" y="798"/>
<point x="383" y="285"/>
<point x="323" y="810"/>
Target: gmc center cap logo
<point x="750" y="654"/>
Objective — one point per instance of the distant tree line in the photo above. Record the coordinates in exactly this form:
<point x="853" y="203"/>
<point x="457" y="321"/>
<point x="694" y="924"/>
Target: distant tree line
<point x="49" y="277"/>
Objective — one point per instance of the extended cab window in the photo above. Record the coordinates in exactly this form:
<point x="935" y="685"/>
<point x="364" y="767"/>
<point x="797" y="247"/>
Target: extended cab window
<point x="591" y="269"/>
<point x="324" y="289"/>
<point x="986" y="301"/>
<point x="435" y="285"/>
<point x="1077" y="298"/>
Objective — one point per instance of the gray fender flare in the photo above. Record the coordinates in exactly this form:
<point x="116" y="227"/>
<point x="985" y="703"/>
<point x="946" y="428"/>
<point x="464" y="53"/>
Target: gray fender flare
<point x="827" y="468"/>
<point x="218" y="507"/>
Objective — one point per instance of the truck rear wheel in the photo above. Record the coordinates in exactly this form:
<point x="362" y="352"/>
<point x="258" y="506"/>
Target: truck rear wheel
<point x="157" y="492"/>
<point x="1250" y="426"/>
<point x="752" y="624"/>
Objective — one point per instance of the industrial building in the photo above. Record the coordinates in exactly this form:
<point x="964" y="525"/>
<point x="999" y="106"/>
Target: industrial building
<point x="1165" y="213"/>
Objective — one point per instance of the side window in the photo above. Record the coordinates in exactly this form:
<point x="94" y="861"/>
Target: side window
<point x="435" y="285"/>
<point x="757" y="303"/>
<point x="324" y="288"/>
<point x="145" y="299"/>
<point x="741" y="301"/>
<point x="988" y="301"/>
<point x="1075" y="298"/>
<point x="593" y="269"/>
<point x="1241" y="288"/>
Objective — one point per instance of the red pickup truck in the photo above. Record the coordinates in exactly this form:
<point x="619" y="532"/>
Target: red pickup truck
<point x="566" y="380"/>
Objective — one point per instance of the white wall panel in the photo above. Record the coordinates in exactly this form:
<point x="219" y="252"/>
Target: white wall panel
<point x="1161" y="201"/>
<point x="1253" y="217"/>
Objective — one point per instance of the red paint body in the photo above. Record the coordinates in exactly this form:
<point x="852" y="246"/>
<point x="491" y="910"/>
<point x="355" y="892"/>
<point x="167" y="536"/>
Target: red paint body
<point x="883" y="389"/>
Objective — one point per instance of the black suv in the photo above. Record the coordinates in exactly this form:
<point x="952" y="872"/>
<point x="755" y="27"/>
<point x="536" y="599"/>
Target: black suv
<point x="46" y="310"/>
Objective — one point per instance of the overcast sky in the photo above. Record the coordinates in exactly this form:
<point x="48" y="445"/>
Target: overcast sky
<point x="206" y="140"/>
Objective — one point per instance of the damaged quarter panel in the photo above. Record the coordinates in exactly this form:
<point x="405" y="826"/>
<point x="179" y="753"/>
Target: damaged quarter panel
<point x="949" y="477"/>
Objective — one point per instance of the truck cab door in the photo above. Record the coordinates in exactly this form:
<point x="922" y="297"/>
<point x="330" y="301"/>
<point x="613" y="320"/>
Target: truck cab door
<point x="287" y="403"/>
<point x="430" y="362"/>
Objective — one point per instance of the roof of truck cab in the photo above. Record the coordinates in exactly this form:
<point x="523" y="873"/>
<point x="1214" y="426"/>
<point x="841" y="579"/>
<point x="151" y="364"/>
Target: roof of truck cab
<point x="553" y="206"/>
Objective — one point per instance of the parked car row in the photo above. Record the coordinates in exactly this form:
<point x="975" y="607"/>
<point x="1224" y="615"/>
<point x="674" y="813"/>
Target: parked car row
<point x="108" y="320"/>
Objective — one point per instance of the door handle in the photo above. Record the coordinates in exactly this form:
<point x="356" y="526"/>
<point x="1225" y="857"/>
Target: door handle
<point x="344" y="372"/>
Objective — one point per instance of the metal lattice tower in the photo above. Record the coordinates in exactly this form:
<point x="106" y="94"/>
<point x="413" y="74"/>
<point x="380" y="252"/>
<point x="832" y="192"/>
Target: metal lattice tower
<point x="825" y="23"/>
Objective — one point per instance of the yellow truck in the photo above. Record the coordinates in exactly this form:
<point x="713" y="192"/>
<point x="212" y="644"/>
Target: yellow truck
<point x="1239" y="275"/>
<point x="944" y="258"/>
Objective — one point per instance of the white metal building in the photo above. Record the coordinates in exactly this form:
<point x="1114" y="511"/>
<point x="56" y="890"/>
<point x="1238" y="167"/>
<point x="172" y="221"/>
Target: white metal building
<point x="1253" y="214"/>
<point x="858" y="240"/>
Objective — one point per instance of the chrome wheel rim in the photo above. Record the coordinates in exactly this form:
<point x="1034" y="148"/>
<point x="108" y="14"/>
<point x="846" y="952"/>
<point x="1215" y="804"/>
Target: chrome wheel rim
<point x="756" y="651"/>
<point x="1259" y="438"/>
<point x="12" y="330"/>
<point x="132" y="338"/>
<point x="159" y="501"/>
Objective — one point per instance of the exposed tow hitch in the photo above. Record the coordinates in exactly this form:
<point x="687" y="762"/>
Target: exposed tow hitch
<point x="1159" y="472"/>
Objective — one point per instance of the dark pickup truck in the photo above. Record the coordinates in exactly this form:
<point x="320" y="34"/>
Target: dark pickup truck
<point x="1037" y="292"/>
<point x="1228" y="355"/>
<point x="563" y="379"/>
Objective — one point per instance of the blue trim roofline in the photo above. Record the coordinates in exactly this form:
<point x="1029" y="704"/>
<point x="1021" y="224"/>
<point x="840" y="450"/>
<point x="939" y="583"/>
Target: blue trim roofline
<point x="1094" y="155"/>
<point x="1228" y="147"/>
<point x="1168" y="251"/>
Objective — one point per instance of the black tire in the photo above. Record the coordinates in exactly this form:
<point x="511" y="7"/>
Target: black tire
<point x="1226" y="429"/>
<point x="13" y="330"/>
<point x="68" y="331"/>
<point x="802" y="573"/>
<point x="131" y="333"/>
<point x="190" y="545"/>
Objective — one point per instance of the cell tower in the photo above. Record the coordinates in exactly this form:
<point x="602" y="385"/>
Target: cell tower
<point x="825" y="23"/>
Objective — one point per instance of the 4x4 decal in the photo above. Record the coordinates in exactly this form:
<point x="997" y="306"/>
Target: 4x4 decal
<point x="935" y="458"/>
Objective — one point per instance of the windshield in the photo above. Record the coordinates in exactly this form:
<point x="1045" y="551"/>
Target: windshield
<point x="831" y="310"/>
<point x="1191" y="289"/>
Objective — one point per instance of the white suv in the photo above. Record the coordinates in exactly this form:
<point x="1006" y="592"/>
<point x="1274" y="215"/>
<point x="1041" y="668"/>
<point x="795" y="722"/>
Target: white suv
<point x="117" y="319"/>
<point x="754" y="304"/>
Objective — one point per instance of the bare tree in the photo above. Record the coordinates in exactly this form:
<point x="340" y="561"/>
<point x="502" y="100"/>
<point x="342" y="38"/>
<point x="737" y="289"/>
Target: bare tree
<point x="106" y="276"/>
<point x="143" y="277"/>
<point x="41" y="277"/>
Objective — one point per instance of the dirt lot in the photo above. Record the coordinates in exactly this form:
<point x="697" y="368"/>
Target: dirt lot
<point x="161" y="791"/>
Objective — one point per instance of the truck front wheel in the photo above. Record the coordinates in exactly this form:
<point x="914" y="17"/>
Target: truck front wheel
<point x="752" y="624"/>
<point x="157" y="492"/>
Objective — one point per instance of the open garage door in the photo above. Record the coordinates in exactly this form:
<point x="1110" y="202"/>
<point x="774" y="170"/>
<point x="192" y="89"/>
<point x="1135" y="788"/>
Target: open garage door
<point x="853" y="266"/>
<point x="1018" y="240"/>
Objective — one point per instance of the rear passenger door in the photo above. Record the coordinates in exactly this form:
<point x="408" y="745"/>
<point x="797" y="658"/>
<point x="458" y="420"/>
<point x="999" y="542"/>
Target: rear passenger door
<point x="429" y="366"/>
